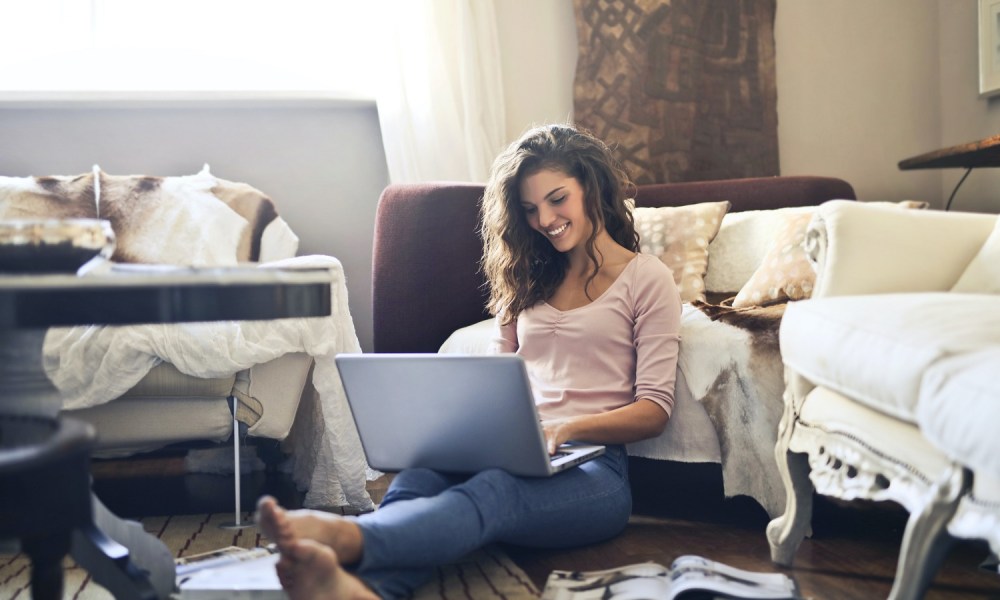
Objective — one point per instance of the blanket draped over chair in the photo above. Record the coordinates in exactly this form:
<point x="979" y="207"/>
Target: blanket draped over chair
<point x="177" y="220"/>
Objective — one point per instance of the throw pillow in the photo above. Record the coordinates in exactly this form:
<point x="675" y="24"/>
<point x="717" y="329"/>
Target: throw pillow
<point x="741" y="245"/>
<point x="679" y="236"/>
<point x="785" y="272"/>
<point x="983" y="273"/>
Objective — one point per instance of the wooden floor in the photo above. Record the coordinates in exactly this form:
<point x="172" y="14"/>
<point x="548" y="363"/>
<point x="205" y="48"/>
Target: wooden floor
<point x="677" y="510"/>
<point x="851" y="555"/>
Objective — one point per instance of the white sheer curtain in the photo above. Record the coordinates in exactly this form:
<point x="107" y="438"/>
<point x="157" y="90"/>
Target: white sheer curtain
<point x="440" y="91"/>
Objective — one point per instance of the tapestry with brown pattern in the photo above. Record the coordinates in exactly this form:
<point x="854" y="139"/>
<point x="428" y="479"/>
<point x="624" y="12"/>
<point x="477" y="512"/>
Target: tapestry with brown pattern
<point x="683" y="90"/>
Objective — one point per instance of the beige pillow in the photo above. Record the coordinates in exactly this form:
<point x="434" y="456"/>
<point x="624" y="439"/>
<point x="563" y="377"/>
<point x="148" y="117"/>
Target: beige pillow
<point x="785" y="273"/>
<point x="741" y="245"/>
<point x="679" y="236"/>
<point x="982" y="276"/>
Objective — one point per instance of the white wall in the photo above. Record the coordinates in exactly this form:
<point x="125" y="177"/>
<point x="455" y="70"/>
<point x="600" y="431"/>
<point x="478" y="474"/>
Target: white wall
<point x="858" y="92"/>
<point x="965" y="117"/>
<point x="538" y="59"/>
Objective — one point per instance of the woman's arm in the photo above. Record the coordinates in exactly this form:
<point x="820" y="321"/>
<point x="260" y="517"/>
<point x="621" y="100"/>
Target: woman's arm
<point x="637" y="421"/>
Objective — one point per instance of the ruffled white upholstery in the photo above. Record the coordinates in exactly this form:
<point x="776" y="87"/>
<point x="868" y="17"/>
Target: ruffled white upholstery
<point x="876" y="348"/>
<point x="959" y="406"/>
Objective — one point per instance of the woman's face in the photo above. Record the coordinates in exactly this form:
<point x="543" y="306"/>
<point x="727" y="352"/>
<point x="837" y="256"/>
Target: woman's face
<point x="553" y="204"/>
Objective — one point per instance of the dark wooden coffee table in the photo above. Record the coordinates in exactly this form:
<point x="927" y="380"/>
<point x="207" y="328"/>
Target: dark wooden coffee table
<point x="46" y="455"/>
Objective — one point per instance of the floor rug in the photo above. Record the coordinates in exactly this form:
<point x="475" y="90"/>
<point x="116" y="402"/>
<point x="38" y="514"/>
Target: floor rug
<point x="486" y="574"/>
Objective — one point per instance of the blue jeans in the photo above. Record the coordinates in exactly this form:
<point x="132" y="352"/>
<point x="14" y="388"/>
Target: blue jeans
<point x="429" y="519"/>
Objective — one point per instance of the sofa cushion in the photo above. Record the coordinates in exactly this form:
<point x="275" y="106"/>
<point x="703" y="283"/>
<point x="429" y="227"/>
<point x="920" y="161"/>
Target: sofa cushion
<point x="959" y="408"/>
<point x="679" y="236"/>
<point x="876" y="348"/>
<point x="983" y="273"/>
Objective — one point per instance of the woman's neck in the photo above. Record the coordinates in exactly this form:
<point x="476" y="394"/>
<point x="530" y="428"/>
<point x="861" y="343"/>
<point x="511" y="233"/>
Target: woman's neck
<point x="606" y="250"/>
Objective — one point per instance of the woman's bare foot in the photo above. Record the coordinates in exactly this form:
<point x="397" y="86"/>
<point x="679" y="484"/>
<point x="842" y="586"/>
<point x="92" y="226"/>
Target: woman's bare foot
<point x="285" y="528"/>
<point x="309" y="570"/>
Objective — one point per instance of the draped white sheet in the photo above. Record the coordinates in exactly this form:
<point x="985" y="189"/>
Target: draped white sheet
<point x="92" y="365"/>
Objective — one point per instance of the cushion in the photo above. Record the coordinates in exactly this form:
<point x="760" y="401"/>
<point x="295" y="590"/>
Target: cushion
<point x="679" y="236"/>
<point x="785" y="272"/>
<point x="983" y="273"/>
<point x="959" y="408"/>
<point x="741" y="244"/>
<point x="876" y="348"/>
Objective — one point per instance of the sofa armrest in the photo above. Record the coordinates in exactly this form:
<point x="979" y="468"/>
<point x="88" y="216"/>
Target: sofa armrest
<point x="865" y="249"/>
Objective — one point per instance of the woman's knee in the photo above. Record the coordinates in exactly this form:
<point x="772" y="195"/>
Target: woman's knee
<point x="416" y="483"/>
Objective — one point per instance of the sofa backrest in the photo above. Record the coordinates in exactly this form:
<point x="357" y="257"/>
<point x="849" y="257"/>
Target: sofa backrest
<point x="425" y="266"/>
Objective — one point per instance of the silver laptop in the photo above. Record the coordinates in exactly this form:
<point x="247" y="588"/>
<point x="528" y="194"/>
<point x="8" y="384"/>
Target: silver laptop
<point x="450" y="412"/>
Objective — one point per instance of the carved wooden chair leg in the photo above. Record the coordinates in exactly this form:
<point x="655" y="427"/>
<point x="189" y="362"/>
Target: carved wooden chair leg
<point x="785" y="533"/>
<point x="926" y="539"/>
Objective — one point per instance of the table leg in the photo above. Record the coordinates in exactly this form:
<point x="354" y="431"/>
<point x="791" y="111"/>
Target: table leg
<point x="119" y="554"/>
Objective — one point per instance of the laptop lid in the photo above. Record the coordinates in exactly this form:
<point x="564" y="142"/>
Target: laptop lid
<point x="450" y="412"/>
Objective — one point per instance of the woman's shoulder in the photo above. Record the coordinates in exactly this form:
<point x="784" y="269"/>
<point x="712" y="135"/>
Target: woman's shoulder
<point x="651" y="266"/>
<point x="653" y="276"/>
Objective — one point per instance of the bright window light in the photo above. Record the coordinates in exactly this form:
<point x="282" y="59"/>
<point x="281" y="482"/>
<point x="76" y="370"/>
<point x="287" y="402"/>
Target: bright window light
<point x="187" y="46"/>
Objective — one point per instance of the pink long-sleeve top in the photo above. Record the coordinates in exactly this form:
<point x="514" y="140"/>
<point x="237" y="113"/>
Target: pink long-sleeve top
<point x="619" y="348"/>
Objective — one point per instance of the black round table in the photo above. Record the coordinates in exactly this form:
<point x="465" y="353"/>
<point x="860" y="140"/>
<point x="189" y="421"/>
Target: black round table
<point x="45" y="497"/>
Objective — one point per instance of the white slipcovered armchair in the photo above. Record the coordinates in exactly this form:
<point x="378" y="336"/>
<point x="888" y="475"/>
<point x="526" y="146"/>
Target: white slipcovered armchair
<point x="893" y="379"/>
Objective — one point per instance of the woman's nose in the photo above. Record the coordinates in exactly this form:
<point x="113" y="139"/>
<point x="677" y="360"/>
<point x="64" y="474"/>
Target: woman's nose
<point x="545" y="216"/>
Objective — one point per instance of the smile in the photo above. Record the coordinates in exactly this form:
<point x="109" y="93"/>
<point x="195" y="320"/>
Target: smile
<point x="557" y="231"/>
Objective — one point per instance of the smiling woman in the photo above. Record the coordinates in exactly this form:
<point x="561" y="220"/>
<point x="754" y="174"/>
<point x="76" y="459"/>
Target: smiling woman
<point x="297" y="46"/>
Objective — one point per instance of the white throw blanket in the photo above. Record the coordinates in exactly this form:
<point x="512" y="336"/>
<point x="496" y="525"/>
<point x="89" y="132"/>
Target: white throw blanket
<point x="92" y="365"/>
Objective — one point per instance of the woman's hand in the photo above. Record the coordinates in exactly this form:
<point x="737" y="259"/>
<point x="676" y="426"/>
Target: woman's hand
<point x="557" y="432"/>
<point x="637" y="421"/>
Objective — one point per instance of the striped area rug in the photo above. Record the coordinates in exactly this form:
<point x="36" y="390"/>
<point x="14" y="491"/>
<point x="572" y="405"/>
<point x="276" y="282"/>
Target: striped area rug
<point x="486" y="574"/>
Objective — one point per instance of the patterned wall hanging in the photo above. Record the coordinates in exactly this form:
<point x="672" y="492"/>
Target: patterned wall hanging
<point x="684" y="90"/>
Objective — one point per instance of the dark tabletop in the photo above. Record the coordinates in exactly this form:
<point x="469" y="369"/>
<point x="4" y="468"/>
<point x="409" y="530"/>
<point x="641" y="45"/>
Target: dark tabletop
<point x="130" y="294"/>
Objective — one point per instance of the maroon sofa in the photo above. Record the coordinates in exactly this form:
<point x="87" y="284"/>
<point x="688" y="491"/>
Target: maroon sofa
<point x="426" y="281"/>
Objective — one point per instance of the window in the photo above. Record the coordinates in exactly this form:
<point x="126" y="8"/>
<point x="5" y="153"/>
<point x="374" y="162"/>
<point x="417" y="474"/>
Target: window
<point x="186" y="46"/>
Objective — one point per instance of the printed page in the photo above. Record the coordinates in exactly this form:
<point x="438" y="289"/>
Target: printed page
<point x="645" y="580"/>
<point x="697" y="573"/>
<point x="217" y="558"/>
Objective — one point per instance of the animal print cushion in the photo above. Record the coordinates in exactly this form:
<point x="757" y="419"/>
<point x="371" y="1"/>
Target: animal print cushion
<point x="785" y="272"/>
<point x="192" y="220"/>
<point x="679" y="236"/>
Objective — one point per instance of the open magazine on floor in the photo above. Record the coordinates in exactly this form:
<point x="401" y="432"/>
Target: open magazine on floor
<point x="688" y="577"/>
<point x="230" y="573"/>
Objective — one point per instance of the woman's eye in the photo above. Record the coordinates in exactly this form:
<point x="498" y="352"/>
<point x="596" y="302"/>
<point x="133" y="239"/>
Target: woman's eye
<point x="559" y="200"/>
<point x="529" y="210"/>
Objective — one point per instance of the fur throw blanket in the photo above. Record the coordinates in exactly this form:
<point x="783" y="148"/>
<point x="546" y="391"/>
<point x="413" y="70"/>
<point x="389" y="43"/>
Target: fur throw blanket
<point x="743" y="396"/>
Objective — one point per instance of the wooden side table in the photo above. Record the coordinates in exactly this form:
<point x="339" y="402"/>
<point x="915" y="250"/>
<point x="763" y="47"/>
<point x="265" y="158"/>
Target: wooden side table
<point x="29" y="403"/>
<point x="982" y="153"/>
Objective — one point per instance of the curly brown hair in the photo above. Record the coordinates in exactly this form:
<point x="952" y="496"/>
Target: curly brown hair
<point x="521" y="266"/>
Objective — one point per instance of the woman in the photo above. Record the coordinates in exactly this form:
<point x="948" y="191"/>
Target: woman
<point x="597" y="325"/>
